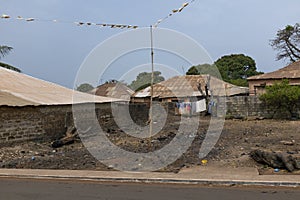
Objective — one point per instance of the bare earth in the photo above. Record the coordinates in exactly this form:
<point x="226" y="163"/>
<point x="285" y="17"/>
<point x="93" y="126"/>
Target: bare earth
<point x="238" y="139"/>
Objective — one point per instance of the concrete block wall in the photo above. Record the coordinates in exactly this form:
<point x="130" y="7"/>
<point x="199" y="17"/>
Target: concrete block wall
<point x="37" y="123"/>
<point x="48" y="123"/>
<point x="250" y="106"/>
<point x="19" y="125"/>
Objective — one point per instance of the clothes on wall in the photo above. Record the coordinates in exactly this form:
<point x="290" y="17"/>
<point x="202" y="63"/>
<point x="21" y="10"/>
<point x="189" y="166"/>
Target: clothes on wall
<point x="201" y="106"/>
<point x="190" y="108"/>
<point x="211" y="104"/>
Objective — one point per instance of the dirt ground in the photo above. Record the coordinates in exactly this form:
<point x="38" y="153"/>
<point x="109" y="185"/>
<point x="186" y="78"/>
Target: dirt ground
<point x="238" y="139"/>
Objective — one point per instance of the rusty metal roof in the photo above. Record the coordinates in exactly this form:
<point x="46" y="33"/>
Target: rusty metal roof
<point x="191" y="86"/>
<point x="291" y="71"/>
<point x="17" y="89"/>
<point x="114" y="90"/>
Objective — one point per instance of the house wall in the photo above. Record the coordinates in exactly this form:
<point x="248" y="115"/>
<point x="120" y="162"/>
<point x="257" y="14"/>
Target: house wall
<point x="48" y="123"/>
<point x="251" y="106"/>
<point x="257" y="86"/>
<point x="33" y="123"/>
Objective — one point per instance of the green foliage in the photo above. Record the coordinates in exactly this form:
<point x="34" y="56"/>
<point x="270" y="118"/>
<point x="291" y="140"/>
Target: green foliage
<point x="143" y="80"/>
<point x="4" y="50"/>
<point x="193" y="71"/>
<point x="204" y="69"/>
<point x="239" y="82"/>
<point x="236" y="68"/>
<point x="287" y="43"/>
<point x="282" y="96"/>
<point x="9" y="67"/>
<point x="85" y="87"/>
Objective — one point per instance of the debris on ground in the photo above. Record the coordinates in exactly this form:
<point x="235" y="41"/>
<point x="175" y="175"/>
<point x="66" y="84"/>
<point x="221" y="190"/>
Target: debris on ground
<point x="276" y="160"/>
<point x="71" y="136"/>
<point x="288" y="143"/>
<point x="238" y="139"/>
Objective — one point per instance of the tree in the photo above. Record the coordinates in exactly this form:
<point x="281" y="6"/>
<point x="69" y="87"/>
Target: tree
<point x="282" y="96"/>
<point x="4" y="50"/>
<point x="143" y="80"/>
<point x="85" y="87"/>
<point x="204" y="69"/>
<point x="236" y="68"/>
<point x="287" y="43"/>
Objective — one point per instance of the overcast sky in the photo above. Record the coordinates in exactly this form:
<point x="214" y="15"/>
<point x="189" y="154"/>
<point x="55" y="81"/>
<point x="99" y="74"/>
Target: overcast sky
<point x="55" y="51"/>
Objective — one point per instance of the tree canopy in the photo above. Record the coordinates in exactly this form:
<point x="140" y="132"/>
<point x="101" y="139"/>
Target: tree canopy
<point x="4" y="50"/>
<point x="236" y="68"/>
<point x="143" y="80"/>
<point x="282" y="96"/>
<point x="287" y="43"/>
<point x="85" y="87"/>
<point x="204" y="69"/>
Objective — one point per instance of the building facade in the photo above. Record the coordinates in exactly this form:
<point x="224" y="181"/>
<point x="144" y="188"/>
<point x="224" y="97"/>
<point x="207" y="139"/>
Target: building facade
<point x="257" y="84"/>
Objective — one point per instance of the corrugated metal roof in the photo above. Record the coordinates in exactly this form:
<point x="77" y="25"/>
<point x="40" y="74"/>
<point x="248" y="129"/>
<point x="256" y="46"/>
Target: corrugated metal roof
<point x="291" y="71"/>
<point x="17" y="89"/>
<point x="193" y="85"/>
<point x="114" y="90"/>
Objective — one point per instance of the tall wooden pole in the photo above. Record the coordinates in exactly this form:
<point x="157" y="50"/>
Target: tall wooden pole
<point x="152" y="82"/>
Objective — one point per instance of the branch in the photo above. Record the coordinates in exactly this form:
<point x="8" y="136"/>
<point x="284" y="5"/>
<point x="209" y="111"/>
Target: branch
<point x="293" y="46"/>
<point x="291" y="50"/>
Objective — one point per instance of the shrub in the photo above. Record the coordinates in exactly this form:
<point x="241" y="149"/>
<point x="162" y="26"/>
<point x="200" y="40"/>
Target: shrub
<point x="282" y="96"/>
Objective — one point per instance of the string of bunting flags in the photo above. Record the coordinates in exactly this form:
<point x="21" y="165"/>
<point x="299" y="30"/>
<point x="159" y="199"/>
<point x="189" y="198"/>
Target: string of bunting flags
<point x="117" y="26"/>
<point x="80" y="23"/>
<point x="174" y="11"/>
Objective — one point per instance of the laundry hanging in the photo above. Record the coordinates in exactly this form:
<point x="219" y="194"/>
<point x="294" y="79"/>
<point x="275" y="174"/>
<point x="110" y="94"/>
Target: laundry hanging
<point x="201" y="106"/>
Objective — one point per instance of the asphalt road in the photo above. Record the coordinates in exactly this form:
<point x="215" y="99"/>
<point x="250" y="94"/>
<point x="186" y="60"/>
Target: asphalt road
<point x="56" y="190"/>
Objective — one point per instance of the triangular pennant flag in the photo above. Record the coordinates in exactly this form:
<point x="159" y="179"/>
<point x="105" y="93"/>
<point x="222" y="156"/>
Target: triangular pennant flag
<point x="30" y="19"/>
<point x="5" y="16"/>
<point x="180" y="9"/>
<point x="185" y="5"/>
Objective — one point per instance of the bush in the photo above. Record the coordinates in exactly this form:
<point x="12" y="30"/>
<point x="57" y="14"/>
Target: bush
<point x="282" y="97"/>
